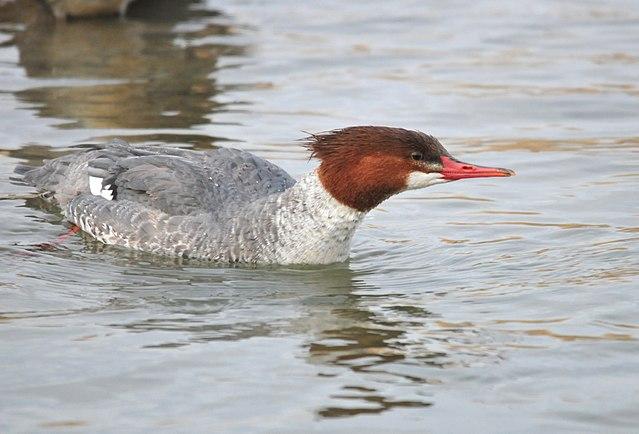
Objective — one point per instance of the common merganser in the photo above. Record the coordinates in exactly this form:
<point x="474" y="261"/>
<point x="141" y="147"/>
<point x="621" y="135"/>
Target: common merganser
<point x="227" y="205"/>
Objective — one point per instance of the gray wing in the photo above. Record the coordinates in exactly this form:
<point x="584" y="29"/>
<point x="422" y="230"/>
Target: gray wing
<point x="174" y="181"/>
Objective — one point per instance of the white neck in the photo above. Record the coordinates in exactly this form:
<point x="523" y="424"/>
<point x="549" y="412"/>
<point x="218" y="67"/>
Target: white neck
<point x="313" y="227"/>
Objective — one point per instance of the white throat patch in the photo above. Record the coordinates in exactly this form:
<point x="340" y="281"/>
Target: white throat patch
<point x="421" y="179"/>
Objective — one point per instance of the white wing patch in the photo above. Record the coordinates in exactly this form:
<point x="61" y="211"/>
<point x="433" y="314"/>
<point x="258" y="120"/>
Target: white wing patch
<point x="107" y="192"/>
<point x="95" y="185"/>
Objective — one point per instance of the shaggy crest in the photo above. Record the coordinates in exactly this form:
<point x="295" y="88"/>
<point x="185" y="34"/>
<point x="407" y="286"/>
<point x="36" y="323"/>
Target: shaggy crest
<point x="361" y="140"/>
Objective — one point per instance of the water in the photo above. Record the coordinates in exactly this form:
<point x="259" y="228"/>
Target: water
<point x="505" y="305"/>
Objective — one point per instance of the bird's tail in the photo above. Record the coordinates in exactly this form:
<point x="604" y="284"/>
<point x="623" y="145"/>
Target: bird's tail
<point x="21" y="169"/>
<point x="20" y="196"/>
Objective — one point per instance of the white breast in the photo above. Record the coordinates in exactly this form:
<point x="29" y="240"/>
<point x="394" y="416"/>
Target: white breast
<point x="318" y="229"/>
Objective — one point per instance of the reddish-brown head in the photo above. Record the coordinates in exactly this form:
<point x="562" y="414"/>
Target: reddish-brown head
<point x="363" y="166"/>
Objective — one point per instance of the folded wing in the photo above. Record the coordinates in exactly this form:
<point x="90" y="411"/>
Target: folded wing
<point x="173" y="181"/>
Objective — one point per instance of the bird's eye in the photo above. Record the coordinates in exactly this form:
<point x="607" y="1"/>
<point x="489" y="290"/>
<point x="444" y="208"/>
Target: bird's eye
<point x="417" y="156"/>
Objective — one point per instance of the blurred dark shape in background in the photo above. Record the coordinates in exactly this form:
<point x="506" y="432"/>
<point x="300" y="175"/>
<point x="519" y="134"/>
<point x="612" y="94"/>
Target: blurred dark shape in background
<point x="142" y="72"/>
<point x="87" y="8"/>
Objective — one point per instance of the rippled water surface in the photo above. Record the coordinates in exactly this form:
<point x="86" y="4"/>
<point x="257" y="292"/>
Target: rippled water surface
<point x="507" y="305"/>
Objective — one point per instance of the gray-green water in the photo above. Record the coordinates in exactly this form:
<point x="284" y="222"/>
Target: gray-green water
<point x="490" y="306"/>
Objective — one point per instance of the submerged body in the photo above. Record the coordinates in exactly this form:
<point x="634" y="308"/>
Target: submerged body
<point x="227" y="205"/>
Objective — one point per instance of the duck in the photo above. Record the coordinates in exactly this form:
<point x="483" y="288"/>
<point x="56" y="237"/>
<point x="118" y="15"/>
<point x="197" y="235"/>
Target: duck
<point x="63" y="9"/>
<point x="227" y="205"/>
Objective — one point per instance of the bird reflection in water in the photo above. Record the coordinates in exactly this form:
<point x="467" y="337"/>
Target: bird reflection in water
<point x="325" y="306"/>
